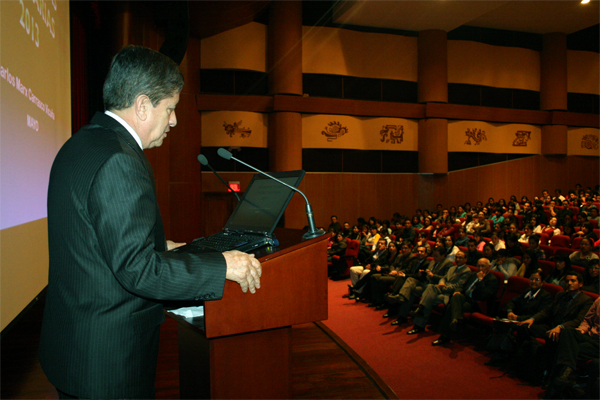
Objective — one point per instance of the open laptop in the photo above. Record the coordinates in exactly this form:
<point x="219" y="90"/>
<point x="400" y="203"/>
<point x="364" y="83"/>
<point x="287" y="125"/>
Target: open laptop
<point x="254" y="219"/>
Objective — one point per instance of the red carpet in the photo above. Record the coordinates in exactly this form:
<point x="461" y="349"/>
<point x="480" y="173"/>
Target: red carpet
<point x="410" y="365"/>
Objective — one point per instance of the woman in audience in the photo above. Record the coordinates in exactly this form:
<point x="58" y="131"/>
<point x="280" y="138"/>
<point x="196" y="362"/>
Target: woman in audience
<point x="498" y="244"/>
<point x="527" y="232"/>
<point x="416" y="222"/>
<point x="461" y="213"/>
<point x="587" y="231"/>
<point x="502" y="203"/>
<point x="537" y="228"/>
<point x="513" y="247"/>
<point x="451" y="249"/>
<point x="463" y="239"/>
<point x="504" y="264"/>
<point x="480" y="242"/>
<point x="500" y="231"/>
<point x="427" y="224"/>
<point x="581" y="220"/>
<point x="552" y="228"/>
<point x="469" y="224"/>
<point x="584" y="255"/>
<point x="498" y="217"/>
<point x="513" y="202"/>
<point x="486" y="212"/>
<point x="569" y="229"/>
<point x="489" y="252"/>
<point x="590" y="277"/>
<point x="559" y="272"/>
<point x="524" y="199"/>
<point x="355" y="233"/>
<point x="529" y="264"/>
<point x="467" y="208"/>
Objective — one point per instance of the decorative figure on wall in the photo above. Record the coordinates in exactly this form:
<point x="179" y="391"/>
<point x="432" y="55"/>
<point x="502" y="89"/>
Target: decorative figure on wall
<point x="236" y="128"/>
<point x="589" y="142"/>
<point x="476" y="134"/>
<point x="395" y="133"/>
<point x="334" y="130"/>
<point x="522" y="138"/>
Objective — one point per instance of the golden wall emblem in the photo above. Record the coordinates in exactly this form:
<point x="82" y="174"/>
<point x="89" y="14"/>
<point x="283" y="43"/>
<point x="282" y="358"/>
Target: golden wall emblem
<point x="236" y="128"/>
<point x="334" y="130"/>
<point x="589" y="142"/>
<point x="476" y="134"/>
<point x="393" y="134"/>
<point x="522" y="138"/>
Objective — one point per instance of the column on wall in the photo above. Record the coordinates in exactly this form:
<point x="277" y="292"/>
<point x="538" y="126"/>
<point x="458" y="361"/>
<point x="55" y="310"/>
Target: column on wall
<point x="284" y="64"/>
<point x="433" y="132"/>
<point x="553" y="90"/>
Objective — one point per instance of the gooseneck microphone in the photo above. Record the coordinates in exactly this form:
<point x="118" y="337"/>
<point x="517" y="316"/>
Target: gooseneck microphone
<point x="313" y="232"/>
<point x="204" y="162"/>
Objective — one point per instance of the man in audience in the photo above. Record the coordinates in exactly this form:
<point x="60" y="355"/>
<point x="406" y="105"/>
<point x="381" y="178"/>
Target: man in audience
<point x="534" y="245"/>
<point x="334" y="224"/>
<point x="566" y="311"/>
<point x="482" y="226"/>
<point x="338" y="247"/>
<point x="527" y="212"/>
<point x="399" y="228"/>
<point x="584" y="255"/>
<point x="577" y="344"/>
<point x="504" y="264"/>
<point x="473" y="255"/>
<point x="370" y="246"/>
<point x="593" y="215"/>
<point x="408" y="234"/>
<point x="358" y="274"/>
<point x="480" y="286"/>
<point x="380" y="283"/>
<point x="415" y="285"/>
<point x="411" y="269"/>
<point x="441" y="292"/>
<point x="513" y="247"/>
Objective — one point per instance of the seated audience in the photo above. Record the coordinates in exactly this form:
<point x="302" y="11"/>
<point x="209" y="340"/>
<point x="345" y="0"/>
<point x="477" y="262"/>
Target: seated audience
<point x="489" y="252"/>
<point x="559" y="272"/>
<point x="590" y="277"/>
<point x="513" y="247"/>
<point x="587" y="231"/>
<point x="593" y="215"/>
<point x="335" y="225"/>
<point x="469" y="224"/>
<point x="422" y="241"/>
<point x="482" y="226"/>
<point x="408" y="234"/>
<point x="427" y="224"/>
<point x="537" y="228"/>
<point x="387" y="265"/>
<point x="584" y="255"/>
<point x="370" y="245"/>
<point x="479" y="241"/>
<point x="534" y="244"/>
<point x="473" y="255"/>
<point x="498" y="217"/>
<point x="552" y="228"/>
<point x="438" y="293"/>
<point x="354" y="233"/>
<point x="480" y="286"/>
<point x="415" y="285"/>
<point x="359" y="273"/>
<point x="528" y="265"/>
<point x="566" y="311"/>
<point x="527" y="232"/>
<point x="338" y="248"/>
<point x="577" y="345"/>
<point x="498" y="244"/>
<point x="463" y="239"/>
<point x="416" y="222"/>
<point x="533" y="300"/>
<point x="504" y="264"/>
<point x="451" y="249"/>
<point x="397" y="272"/>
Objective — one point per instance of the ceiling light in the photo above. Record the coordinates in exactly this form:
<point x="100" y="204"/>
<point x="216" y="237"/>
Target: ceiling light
<point x="585" y="1"/>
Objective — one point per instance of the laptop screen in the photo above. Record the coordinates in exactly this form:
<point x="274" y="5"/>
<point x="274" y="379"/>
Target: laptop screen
<point x="264" y="202"/>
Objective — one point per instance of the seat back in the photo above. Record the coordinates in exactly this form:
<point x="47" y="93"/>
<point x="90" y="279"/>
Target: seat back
<point x="593" y="295"/>
<point x="514" y="287"/>
<point x="552" y="288"/>
<point x="547" y="267"/>
<point x="575" y="243"/>
<point x="560" y="241"/>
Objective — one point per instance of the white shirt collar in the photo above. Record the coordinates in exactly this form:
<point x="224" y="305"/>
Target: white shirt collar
<point x="126" y="126"/>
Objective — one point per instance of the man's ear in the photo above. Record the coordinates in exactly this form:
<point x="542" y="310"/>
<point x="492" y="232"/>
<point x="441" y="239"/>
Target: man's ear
<point x="142" y="107"/>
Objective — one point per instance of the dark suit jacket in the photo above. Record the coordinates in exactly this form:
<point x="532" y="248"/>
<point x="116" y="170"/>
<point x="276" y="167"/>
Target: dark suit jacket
<point x="484" y="289"/>
<point x="573" y="316"/>
<point x="525" y="309"/>
<point x="109" y="268"/>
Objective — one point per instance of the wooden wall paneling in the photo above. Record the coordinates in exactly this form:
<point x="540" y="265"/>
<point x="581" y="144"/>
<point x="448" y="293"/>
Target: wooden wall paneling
<point x="440" y="190"/>
<point x="332" y="198"/>
<point x="185" y="212"/>
<point x="313" y="185"/>
<point x="575" y="119"/>
<point x="223" y="102"/>
<point x="374" y="199"/>
<point x="584" y="170"/>
<point x="488" y="114"/>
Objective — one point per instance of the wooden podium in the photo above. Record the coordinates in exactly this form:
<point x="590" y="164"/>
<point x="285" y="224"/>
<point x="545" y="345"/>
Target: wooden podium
<point x="241" y="348"/>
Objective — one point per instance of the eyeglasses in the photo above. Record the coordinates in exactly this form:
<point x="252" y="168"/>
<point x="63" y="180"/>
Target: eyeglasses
<point x="534" y="279"/>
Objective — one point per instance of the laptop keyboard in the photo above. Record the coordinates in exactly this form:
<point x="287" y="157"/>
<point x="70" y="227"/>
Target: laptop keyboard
<point x="224" y="242"/>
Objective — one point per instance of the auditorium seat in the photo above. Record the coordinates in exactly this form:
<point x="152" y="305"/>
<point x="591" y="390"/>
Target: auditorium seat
<point x="560" y="241"/>
<point x="547" y="267"/>
<point x="575" y="243"/>
<point x="514" y="287"/>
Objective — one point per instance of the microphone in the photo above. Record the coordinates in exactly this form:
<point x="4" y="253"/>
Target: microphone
<point x="313" y="232"/>
<point x="204" y="162"/>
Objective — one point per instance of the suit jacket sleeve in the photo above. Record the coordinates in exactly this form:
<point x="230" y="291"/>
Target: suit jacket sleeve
<point x="123" y="210"/>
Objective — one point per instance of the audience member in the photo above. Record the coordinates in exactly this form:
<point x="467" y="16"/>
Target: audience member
<point x="473" y="255"/>
<point x="527" y="232"/>
<point x="559" y="272"/>
<point x="590" y="277"/>
<point x="489" y="252"/>
<point x="534" y="244"/>
<point x="415" y="285"/>
<point x="480" y="286"/>
<point x="358" y="272"/>
<point x="552" y="228"/>
<point x="584" y="255"/>
<point x="482" y="226"/>
<point x="504" y="264"/>
<point x="408" y="234"/>
<point x="451" y="249"/>
<point x="338" y="248"/>
<point x="513" y="247"/>
<point x="335" y="225"/>
<point x="529" y="264"/>
<point x="498" y="244"/>
<point x="398" y="270"/>
<point x="463" y="239"/>
<point x="587" y="231"/>
<point x="439" y="293"/>
<point x="422" y="241"/>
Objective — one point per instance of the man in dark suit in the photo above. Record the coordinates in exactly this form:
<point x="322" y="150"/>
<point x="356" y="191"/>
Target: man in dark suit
<point x="415" y="285"/>
<point x="480" y="286"/>
<point x="441" y="292"/>
<point x="110" y="267"/>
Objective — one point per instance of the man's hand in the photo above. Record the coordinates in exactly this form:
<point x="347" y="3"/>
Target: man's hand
<point x="393" y="273"/>
<point x="512" y="316"/>
<point x="368" y="266"/>
<point x="378" y="268"/>
<point x="527" y="322"/>
<point x="441" y="285"/>
<point x="244" y="269"/>
<point x="480" y="275"/>
<point x="172" y="245"/>
<point x="554" y="333"/>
